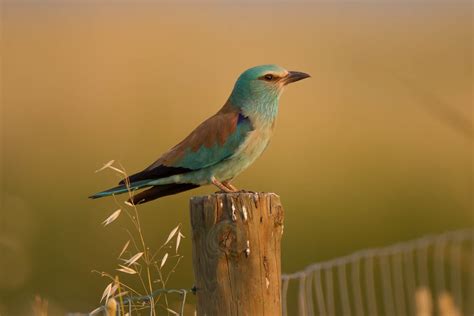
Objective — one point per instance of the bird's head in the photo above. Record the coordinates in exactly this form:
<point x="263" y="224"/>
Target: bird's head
<point x="259" y="88"/>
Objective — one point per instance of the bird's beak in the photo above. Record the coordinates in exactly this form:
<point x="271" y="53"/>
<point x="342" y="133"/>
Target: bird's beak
<point x="294" y="76"/>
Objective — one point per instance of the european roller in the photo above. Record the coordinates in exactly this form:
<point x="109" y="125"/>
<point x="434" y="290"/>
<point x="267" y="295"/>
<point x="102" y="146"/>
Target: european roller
<point x="221" y="147"/>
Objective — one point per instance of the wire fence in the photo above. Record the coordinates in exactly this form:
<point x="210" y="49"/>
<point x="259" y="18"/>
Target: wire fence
<point x="433" y="275"/>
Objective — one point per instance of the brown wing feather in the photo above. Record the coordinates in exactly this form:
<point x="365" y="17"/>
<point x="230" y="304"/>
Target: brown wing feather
<point x="215" y="129"/>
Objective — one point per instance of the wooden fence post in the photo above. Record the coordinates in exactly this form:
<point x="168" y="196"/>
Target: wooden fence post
<point x="236" y="253"/>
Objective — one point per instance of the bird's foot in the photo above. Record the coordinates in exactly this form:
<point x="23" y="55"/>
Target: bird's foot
<point x="246" y="191"/>
<point x="238" y="191"/>
<point x="221" y="186"/>
<point x="230" y="186"/>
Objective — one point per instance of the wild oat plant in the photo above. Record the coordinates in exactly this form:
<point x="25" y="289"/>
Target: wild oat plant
<point x="152" y="269"/>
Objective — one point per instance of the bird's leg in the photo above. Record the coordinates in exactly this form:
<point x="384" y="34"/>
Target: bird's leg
<point x="233" y="188"/>
<point x="230" y="186"/>
<point x="221" y="186"/>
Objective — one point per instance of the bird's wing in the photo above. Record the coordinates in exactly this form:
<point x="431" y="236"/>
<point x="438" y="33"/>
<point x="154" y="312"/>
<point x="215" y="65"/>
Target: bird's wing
<point x="214" y="140"/>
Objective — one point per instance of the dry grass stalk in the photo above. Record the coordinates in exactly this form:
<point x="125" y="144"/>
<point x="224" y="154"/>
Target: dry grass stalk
<point x="446" y="305"/>
<point x="40" y="306"/>
<point x="424" y="303"/>
<point x="138" y="260"/>
<point x="111" y="307"/>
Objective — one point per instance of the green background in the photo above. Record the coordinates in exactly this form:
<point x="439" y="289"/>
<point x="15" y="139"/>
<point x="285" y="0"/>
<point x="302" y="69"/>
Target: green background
<point x="373" y="149"/>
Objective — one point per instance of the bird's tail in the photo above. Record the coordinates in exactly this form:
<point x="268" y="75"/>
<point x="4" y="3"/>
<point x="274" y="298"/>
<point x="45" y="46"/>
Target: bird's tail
<point x="121" y="189"/>
<point x="148" y="195"/>
<point x="161" y="190"/>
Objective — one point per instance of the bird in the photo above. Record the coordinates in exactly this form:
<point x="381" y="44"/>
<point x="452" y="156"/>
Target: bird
<point x="221" y="147"/>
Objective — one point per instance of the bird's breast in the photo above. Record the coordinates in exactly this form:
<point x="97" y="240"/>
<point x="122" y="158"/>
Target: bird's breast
<point x="250" y="149"/>
<point x="254" y="144"/>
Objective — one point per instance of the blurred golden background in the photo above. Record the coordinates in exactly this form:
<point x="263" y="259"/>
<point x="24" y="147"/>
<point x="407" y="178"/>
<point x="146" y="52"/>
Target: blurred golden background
<point x="374" y="149"/>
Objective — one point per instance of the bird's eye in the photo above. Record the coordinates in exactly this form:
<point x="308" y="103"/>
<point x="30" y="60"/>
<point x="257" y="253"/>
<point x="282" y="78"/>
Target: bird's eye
<point x="269" y="77"/>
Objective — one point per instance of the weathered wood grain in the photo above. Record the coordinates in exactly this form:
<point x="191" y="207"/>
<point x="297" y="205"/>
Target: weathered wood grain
<point x="236" y="253"/>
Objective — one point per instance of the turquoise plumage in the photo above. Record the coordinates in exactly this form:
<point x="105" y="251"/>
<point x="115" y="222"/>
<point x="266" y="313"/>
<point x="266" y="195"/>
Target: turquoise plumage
<point x="222" y="146"/>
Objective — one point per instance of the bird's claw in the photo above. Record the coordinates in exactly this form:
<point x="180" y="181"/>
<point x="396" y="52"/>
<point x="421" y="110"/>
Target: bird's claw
<point x="238" y="191"/>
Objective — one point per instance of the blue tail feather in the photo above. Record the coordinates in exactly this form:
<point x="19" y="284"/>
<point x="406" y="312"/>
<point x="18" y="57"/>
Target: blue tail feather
<point x="121" y="189"/>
